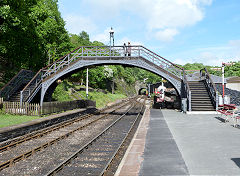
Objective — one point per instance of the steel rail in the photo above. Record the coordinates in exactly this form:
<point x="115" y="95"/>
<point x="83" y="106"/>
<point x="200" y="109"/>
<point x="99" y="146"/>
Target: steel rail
<point x="122" y="143"/>
<point x="73" y="156"/>
<point x="14" y="160"/>
<point x="41" y="134"/>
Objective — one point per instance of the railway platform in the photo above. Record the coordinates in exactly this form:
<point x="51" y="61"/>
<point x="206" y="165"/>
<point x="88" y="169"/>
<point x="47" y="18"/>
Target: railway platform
<point x="168" y="142"/>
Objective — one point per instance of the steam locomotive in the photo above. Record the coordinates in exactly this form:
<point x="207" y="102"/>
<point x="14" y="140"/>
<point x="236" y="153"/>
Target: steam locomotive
<point x="164" y="97"/>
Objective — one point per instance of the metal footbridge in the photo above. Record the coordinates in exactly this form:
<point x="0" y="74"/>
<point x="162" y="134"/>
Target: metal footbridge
<point x="44" y="81"/>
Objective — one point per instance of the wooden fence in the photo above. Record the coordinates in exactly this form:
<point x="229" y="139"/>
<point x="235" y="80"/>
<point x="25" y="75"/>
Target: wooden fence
<point x="31" y="109"/>
<point x="34" y="109"/>
<point x="53" y="107"/>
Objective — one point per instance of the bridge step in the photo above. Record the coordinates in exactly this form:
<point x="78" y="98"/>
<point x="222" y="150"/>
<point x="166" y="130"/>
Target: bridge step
<point x="207" y="102"/>
<point x="203" y="108"/>
<point x="200" y="99"/>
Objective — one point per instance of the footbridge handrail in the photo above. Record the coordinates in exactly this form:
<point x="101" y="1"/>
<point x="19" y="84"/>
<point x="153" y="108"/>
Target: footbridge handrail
<point x="177" y="66"/>
<point x="20" y="78"/>
<point x="100" y="52"/>
<point x="205" y="76"/>
<point x="31" y="87"/>
<point x="111" y="52"/>
<point x="187" y="91"/>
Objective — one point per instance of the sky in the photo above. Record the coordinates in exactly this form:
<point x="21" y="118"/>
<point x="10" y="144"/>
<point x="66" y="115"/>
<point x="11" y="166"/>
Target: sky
<point x="182" y="31"/>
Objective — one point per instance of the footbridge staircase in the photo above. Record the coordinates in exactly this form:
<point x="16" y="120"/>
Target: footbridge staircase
<point x="85" y="56"/>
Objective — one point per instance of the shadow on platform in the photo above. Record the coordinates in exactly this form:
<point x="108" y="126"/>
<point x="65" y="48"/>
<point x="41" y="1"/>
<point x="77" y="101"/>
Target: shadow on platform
<point x="220" y="119"/>
<point x="236" y="161"/>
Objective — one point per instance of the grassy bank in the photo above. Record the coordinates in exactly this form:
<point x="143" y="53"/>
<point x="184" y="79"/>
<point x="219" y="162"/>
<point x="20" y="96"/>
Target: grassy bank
<point x="103" y="99"/>
<point x="63" y="93"/>
<point x="8" y="120"/>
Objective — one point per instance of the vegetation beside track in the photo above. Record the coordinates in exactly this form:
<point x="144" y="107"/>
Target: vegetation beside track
<point x="63" y="93"/>
<point x="9" y="120"/>
<point x="103" y="99"/>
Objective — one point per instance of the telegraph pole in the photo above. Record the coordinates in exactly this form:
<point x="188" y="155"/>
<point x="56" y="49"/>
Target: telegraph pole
<point x="223" y="64"/>
<point x="87" y="85"/>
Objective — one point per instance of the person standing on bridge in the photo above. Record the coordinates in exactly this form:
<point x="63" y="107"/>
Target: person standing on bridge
<point x="129" y="49"/>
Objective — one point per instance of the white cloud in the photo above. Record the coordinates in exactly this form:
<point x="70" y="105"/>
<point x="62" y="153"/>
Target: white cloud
<point x="235" y="44"/>
<point x="163" y="14"/>
<point x="182" y="61"/>
<point x="159" y="15"/>
<point x="76" y="24"/>
<point x="103" y="37"/>
<point x="126" y="40"/>
<point x="166" y="34"/>
<point x="213" y="55"/>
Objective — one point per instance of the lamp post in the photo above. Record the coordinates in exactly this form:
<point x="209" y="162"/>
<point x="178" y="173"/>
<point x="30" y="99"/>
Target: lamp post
<point x="111" y="32"/>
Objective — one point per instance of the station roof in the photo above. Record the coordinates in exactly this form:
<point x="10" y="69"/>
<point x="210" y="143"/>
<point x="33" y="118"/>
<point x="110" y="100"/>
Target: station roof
<point x="234" y="79"/>
<point x="196" y="77"/>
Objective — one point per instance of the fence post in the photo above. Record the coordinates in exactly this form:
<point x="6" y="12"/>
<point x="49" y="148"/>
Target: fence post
<point x="82" y="51"/>
<point x="138" y="51"/>
<point x="189" y="101"/>
<point x="68" y="59"/>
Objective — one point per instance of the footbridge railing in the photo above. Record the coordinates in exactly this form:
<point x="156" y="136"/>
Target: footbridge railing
<point x="98" y="53"/>
<point x="113" y="52"/>
<point x="205" y="76"/>
<point x="15" y="83"/>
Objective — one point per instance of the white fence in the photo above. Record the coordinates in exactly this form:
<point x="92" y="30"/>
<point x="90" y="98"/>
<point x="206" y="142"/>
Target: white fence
<point x="31" y="109"/>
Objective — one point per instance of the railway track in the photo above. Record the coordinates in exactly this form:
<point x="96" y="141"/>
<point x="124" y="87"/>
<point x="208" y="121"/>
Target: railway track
<point x="39" y="133"/>
<point x="36" y="156"/>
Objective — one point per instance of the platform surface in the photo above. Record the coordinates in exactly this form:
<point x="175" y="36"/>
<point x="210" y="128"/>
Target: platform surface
<point x="172" y="143"/>
<point x="208" y="145"/>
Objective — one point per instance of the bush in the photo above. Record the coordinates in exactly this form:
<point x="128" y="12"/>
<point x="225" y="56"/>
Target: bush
<point x="61" y="92"/>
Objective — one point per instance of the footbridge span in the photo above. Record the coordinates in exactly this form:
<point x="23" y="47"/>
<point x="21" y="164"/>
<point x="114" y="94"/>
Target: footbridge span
<point x="86" y="56"/>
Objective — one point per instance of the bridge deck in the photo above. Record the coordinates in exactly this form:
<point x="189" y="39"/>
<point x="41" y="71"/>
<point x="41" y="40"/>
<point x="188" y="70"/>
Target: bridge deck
<point x="207" y="146"/>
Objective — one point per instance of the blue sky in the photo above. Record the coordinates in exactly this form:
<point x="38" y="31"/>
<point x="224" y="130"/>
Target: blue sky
<point x="183" y="31"/>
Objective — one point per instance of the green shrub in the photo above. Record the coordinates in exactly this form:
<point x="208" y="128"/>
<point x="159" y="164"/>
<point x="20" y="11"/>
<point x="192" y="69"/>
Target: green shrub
<point x="61" y="92"/>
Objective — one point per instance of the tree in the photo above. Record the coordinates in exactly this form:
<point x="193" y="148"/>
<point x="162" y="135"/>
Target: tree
<point x="31" y="32"/>
<point x="83" y="40"/>
<point x="232" y="70"/>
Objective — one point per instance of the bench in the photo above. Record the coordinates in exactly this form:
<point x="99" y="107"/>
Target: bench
<point x="230" y="110"/>
<point x="227" y="110"/>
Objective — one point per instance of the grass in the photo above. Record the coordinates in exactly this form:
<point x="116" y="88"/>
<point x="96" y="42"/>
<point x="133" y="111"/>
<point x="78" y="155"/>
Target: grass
<point x="101" y="98"/>
<point x="8" y="120"/>
<point x="62" y="93"/>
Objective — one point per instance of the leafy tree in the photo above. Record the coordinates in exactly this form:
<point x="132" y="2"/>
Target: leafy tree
<point x="232" y="70"/>
<point x="194" y="66"/>
<point x="83" y="40"/>
<point x="32" y="32"/>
